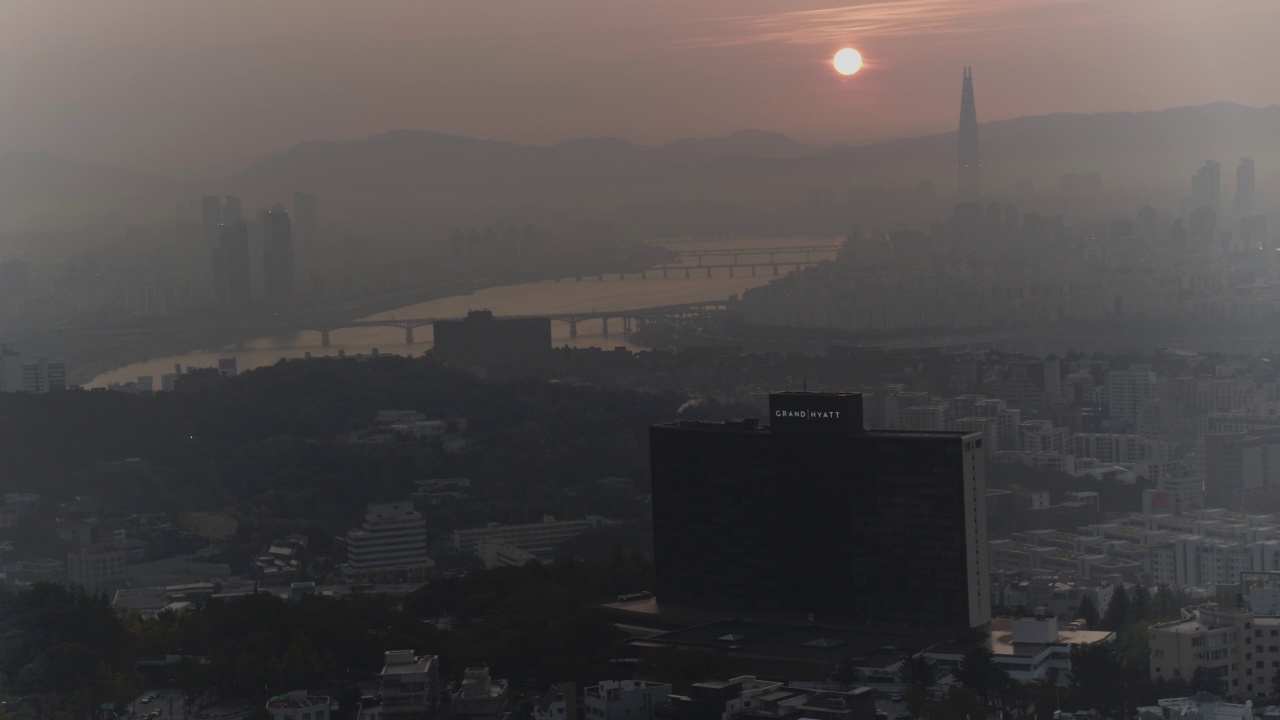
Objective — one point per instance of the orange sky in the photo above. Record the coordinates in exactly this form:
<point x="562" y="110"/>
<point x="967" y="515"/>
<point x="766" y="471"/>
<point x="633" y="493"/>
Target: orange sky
<point x="195" y="89"/>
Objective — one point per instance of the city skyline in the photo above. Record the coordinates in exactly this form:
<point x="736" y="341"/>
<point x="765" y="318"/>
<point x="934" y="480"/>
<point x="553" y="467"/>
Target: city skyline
<point x="162" y="90"/>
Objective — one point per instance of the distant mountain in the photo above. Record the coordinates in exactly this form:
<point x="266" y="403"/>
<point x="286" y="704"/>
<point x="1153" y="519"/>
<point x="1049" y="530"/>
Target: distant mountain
<point x="744" y="143"/>
<point x="419" y="181"/>
<point x="752" y="166"/>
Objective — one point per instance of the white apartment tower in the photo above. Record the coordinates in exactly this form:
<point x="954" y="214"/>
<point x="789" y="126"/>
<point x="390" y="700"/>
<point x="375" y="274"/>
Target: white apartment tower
<point x="389" y="547"/>
<point x="28" y="374"/>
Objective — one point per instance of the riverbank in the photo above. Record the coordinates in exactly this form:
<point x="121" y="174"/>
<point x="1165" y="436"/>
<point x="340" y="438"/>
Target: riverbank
<point x="92" y="353"/>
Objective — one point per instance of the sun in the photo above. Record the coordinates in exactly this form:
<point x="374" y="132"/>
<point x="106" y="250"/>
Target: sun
<point x="848" y="61"/>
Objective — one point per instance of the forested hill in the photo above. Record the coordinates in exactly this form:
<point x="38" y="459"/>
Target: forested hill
<point x="274" y="444"/>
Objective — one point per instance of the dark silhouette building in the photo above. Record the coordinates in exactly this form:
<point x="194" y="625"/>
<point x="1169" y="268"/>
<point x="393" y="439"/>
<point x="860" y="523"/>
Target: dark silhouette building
<point x="483" y="341"/>
<point x="211" y="214"/>
<point x="231" y="265"/>
<point x="232" y="209"/>
<point x="813" y="516"/>
<point x="1206" y="187"/>
<point x="277" y="255"/>
<point x="968" y="163"/>
<point x="1246" y="187"/>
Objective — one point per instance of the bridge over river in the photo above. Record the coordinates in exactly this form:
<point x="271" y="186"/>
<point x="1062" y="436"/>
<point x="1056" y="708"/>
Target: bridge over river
<point x="630" y="319"/>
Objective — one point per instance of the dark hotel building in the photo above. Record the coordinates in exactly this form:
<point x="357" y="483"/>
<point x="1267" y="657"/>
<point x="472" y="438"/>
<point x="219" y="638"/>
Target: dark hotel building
<point x="813" y="516"/>
<point x="481" y="340"/>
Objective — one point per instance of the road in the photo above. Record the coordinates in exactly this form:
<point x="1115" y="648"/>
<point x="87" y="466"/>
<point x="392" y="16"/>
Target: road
<point x="169" y="704"/>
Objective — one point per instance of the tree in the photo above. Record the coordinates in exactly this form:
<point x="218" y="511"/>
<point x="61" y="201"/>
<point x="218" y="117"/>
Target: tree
<point x="1040" y="699"/>
<point x="1097" y="677"/>
<point x="916" y="701"/>
<point x="917" y="671"/>
<point x="959" y="704"/>
<point x="979" y="673"/>
<point x="1117" y="610"/>
<point x="1088" y="612"/>
<point x="1204" y="680"/>
<point x="1139" y="605"/>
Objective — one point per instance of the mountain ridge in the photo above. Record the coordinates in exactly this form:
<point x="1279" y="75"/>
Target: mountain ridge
<point x="413" y="173"/>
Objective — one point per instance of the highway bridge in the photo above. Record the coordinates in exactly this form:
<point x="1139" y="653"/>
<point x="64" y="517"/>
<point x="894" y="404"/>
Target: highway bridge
<point x="630" y="320"/>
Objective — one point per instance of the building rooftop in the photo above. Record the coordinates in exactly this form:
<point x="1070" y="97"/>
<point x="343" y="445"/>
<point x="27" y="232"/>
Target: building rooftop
<point x="872" y="648"/>
<point x="298" y="699"/>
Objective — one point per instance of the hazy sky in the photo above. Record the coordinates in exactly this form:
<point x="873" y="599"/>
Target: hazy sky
<point x="198" y="88"/>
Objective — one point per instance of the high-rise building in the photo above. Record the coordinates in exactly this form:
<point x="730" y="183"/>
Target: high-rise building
<point x="815" y="516"/>
<point x="277" y="255"/>
<point x="30" y="374"/>
<point x="1253" y="233"/>
<point x="210" y="213"/>
<point x="232" y="210"/>
<point x="390" y="547"/>
<point x="1206" y="186"/>
<point x="231" y="265"/>
<point x="1129" y="390"/>
<point x="968" y="164"/>
<point x="1245" y="187"/>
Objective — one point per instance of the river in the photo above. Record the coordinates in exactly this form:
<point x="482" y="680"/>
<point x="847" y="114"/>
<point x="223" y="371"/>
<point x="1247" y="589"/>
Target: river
<point x="549" y="297"/>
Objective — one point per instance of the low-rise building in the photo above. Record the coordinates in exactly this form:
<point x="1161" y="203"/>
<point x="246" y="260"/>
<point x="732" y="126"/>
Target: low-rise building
<point x="559" y="702"/>
<point x="95" y="568"/>
<point x="1231" y="645"/>
<point x="1201" y="706"/>
<point x="480" y="697"/>
<point x="624" y="700"/>
<point x="1029" y="648"/>
<point x="298" y="705"/>
<point x="410" y="685"/>
<point x="717" y="699"/>
<point x="495" y="554"/>
<point x="537" y="538"/>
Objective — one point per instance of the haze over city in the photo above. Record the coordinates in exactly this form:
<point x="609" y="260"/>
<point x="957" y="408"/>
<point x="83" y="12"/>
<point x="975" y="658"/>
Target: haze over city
<point x="172" y="89"/>
<point x="581" y="360"/>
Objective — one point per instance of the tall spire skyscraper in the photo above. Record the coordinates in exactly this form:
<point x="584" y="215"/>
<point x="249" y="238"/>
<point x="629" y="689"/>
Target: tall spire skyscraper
<point x="968" y="166"/>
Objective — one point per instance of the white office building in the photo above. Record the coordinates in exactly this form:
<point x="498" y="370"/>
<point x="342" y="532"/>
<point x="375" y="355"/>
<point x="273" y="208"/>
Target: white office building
<point x="389" y="547"/>
<point x="536" y="538"/>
